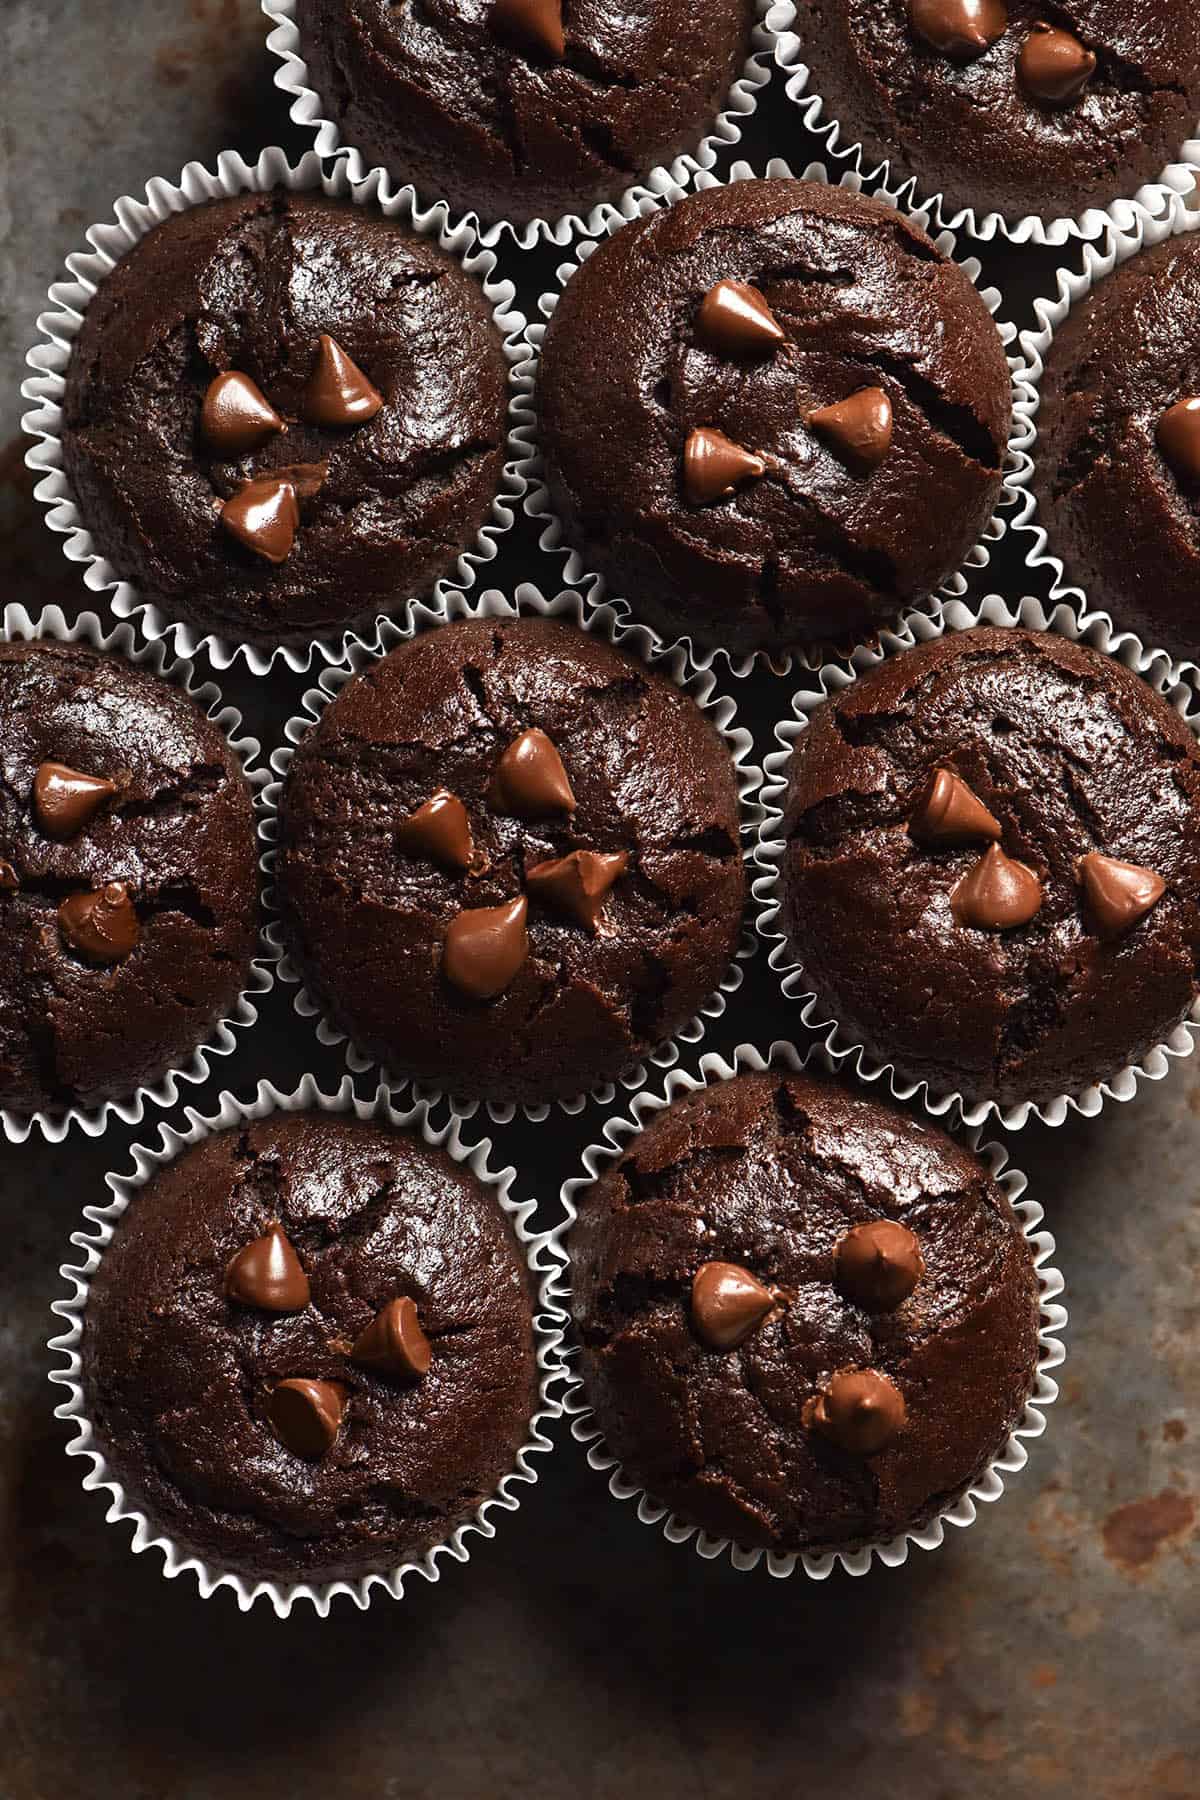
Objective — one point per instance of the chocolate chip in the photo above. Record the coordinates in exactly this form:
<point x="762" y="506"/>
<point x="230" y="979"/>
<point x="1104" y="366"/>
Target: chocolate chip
<point x="338" y="393"/>
<point x="10" y="881"/>
<point x="734" y="318"/>
<point x="306" y="1416"/>
<point x="1178" y="437"/>
<point x="64" y="800"/>
<point x="860" y="1410"/>
<point x="960" y="29"/>
<point x="858" y="429"/>
<point x="998" y="894"/>
<point x="264" y="516"/>
<point x="485" y="947"/>
<point x="714" y="466"/>
<point x="530" y="781"/>
<point x="1118" y="894"/>
<point x="536" y="23"/>
<point x="439" y="830"/>
<point x="103" y="926"/>
<point x="1054" y="66"/>
<point x="394" y="1343"/>
<point x="878" y="1264"/>
<point x="728" y="1303"/>
<point x="267" y="1274"/>
<point x="947" y="812"/>
<point x="578" y="884"/>
<point x="237" y="416"/>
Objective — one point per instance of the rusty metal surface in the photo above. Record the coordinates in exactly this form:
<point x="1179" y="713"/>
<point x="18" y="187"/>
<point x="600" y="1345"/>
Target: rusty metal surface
<point x="1051" y="1651"/>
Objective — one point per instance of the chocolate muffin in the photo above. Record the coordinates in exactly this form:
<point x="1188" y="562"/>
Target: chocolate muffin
<point x="128" y="885"/>
<point x="308" y="1352"/>
<point x="772" y="415"/>
<point x="1012" y="108"/>
<point x="992" y="865"/>
<point x="509" y="861"/>
<point x="284" y="414"/>
<point x="1117" y="472"/>
<point x="807" y="1321"/>
<point x="514" y="110"/>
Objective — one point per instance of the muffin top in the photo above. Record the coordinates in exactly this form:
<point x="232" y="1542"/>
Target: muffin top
<point x="1013" y="108"/>
<point x="772" y="414"/>
<point x="1118" y="462"/>
<point x="509" y="860"/>
<point x="284" y="414"/>
<point x="373" y="1281"/>
<point x="128" y="885"/>
<point x="513" y="110"/>
<point x="992" y="872"/>
<point x="807" y="1321"/>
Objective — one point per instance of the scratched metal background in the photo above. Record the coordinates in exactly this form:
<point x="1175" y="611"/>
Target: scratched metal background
<point x="1049" y="1652"/>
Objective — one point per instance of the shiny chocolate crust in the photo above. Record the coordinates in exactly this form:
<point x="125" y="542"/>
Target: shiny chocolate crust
<point x="178" y="835"/>
<point x="366" y="922"/>
<point x="178" y="1377"/>
<point x="1116" y="512"/>
<point x="1072" y="754"/>
<point x="973" y="131"/>
<point x="249" y="285"/>
<point x="440" y="93"/>
<point x="815" y="550"/>
<point x="770" y="1172"/>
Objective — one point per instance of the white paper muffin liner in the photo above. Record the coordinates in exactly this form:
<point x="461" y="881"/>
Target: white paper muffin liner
<point x="989" y="1486"/>
<point x="530" y="467"/>
<point x="1030" y="614"/>
<point x="50" y="356"/>
<point x="1143" y="233"/>
<point x="528" y="601"/>
<point x="1092" y="223"/>
<point x="544" y="1264"/>
<point x="21" y="626"/>
<point x="308" y="109"/>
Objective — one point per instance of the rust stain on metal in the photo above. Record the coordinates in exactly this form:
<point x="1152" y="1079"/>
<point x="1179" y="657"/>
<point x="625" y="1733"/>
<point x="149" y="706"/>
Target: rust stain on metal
<point x="1134" y="1534"/>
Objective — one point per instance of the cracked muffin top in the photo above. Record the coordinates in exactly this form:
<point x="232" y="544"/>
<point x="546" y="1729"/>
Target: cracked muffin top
<point x="772" y="415"/>
<point x="128" y="885"/>
<point x="1117" y="471"/>
<point x="992" y="865"/>
<point x="807" y="1322"/>
<point x="308" y="1351"/>
<point x="509" y="860"/>
<point x="509" y="108"/>
<point x="283" y="415"/>
<point x="1013" y="108"/>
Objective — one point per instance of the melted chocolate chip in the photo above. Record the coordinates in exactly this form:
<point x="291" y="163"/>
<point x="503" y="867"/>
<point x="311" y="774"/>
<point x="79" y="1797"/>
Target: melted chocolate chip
<point x="267" y="1274"/>
<point x="530" y="781"/>
<point x="264" y="515"/>
<point x="485" y="947"/>
<point x="1054" y="66"/>
<point x="439" y="830"/>
<point x="306" y="1416"/>
<point x="64" y="800"/>
<point x="736" y="320"/>
<point x="714" y="466"/>
<point x="10" y="881"/>
<point x="858" y="429"/>
<point x="1118" y="894"/>
<point x="237" y="416"/>
<point x="860" y="1410"/>
<point x="338" y="393"/>
<point x="1178" y="437"/>
<point x="538" y="24"/>
<point x="998" y="894"/>
<point x="728" y="1303"/>
<point x="960" y="29"/>
<point x="393" y="1343"/>
<point x="103" y="926"/>
<point x="578" y="884"/>
<point x="878" y="1264"/>
<point x="947" y="812"/>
